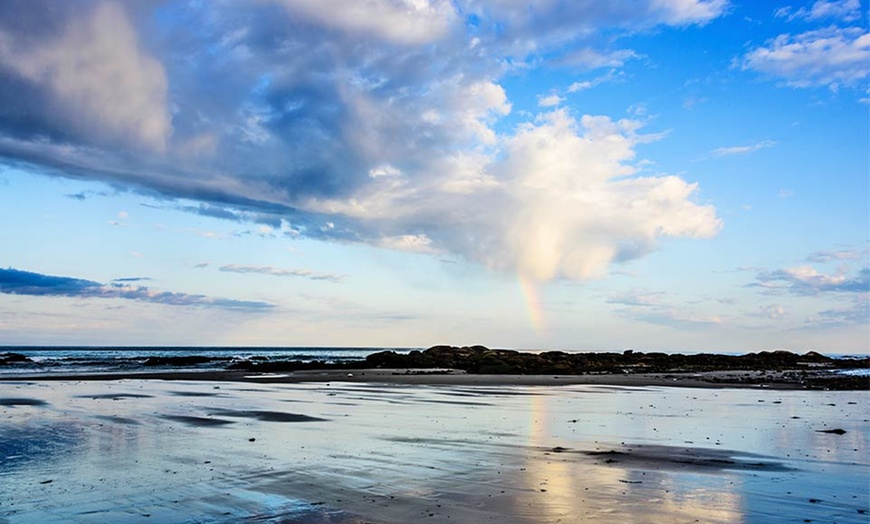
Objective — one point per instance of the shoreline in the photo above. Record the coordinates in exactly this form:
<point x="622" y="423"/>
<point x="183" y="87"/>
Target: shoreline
<point x="742" y="379"/>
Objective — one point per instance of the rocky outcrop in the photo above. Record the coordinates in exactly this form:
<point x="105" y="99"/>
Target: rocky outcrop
<point x="482" y="360"/>
<point x="479" y="359"/>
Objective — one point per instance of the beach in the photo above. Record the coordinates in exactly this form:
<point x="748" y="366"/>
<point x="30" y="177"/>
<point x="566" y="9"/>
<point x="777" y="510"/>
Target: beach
<point x="399" y="446"/>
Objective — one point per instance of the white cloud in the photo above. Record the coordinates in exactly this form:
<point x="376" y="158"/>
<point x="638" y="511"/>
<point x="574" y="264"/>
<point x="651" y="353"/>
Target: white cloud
<point x="686" y="12"/>
<point x="411" y="243"/>
<point x="526" y="30"/>
<point x="828" y="57"/>
<point x="773" y="312"/>
<point x="742" y="150"/>
<point x="550" y="100"/>
<point x="560" y="202"/>
<point x="845" y="10"/>
<point x="103" y="83"/>
<point x="411" y="22"/>
<point x="589" y="58"/>
<point x="611" y="76"/>
<point x="580" y="86"/>
<point x="384" y="170"/>
<point x="810" y="276"/>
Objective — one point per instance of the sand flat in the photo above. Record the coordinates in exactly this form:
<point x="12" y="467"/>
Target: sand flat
<point x="380" y="452"/>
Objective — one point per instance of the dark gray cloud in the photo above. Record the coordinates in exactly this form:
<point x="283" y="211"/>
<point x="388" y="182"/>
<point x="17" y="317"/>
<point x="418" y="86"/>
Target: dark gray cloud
<point x="18" y="282"/>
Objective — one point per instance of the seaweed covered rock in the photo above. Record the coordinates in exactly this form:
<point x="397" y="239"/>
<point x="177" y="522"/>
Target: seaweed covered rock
<point x="191" y="360"/>
<point x="480" y="359"/>
<point x="13" y="358"/>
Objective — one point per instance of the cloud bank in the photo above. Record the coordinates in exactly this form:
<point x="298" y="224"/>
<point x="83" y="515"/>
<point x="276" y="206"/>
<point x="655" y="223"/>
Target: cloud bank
<point x="18" y="282"/>
<point x="391" y="129"/>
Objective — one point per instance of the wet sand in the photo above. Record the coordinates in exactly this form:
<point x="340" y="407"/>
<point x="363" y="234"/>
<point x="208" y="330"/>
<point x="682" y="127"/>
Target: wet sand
<point x="783" y="379"/>
<point x="381" y="447"/>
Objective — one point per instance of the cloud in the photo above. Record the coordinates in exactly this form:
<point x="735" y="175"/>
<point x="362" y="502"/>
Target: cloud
<point x="387" y="129"/>
<point x="742" y="150"/>
<point x="279" y="272"/>
<point x="612" y="76"/>
<point x="580" y="86"/>
<point x="677" y="319"/>
<point x="806" y="280"/>
<point x="93" y="75"/>
<point x="412" y="22"/>
<point x="691" y="101"/>
<point x="525" y="27"/>
<point x="18" y="282"/>
<point x="563" y="204"/>
<point x="588" y="58"/>
<point x="822" y="257"/>
<point x="637" y="298"/>
<point x="411" y="243"/>
<point x="855" y="315"/>
<point x="651" y="307"/>
<point x="829" y="57"/>
<point x="550" y="100"/>
<point x="773" y="312"/>
<point x="845" y="10"/>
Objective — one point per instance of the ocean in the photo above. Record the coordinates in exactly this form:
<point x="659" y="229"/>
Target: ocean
<point x="76" y="360"/>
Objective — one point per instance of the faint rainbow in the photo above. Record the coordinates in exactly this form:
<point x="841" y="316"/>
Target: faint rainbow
<point x="533" y="302"/>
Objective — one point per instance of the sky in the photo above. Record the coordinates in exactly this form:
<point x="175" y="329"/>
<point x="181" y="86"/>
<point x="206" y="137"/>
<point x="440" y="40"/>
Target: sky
<point x="673" y="175"/>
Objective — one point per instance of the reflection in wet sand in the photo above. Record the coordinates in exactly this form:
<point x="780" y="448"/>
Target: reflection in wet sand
<point x="564" y="485"/>
<point x="174" y="452"/>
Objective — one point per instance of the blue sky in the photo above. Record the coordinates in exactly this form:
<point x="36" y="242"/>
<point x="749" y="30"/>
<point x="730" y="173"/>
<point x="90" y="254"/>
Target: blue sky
<point x="679" y="175"/>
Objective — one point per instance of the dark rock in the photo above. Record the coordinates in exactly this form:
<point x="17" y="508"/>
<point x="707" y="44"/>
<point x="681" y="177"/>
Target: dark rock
<point x="191" y="360"/>
<point x="9" y="358"/>
<point x="837" y="431"/>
